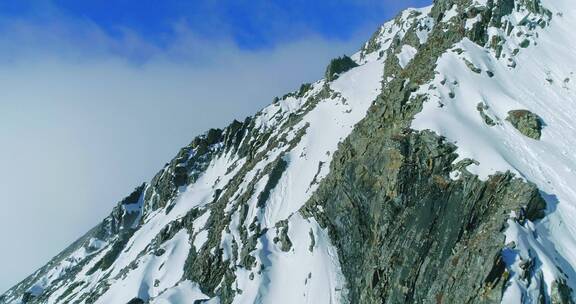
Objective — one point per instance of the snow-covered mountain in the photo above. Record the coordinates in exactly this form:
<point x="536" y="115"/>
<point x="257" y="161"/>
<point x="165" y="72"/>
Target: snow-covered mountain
<point x="435" y="165"/>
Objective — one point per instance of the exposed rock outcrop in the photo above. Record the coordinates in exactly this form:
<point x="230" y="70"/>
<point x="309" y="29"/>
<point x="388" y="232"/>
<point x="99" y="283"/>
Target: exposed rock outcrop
<point x="526" y="122"/>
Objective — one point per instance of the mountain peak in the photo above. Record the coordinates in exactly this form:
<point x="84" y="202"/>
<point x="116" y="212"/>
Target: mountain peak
<point x="410" y="174"/>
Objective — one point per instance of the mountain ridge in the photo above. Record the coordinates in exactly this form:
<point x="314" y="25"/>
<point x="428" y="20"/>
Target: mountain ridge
<point x="356" y="188"/>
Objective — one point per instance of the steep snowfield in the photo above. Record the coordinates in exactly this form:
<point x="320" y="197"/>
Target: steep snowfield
<point x="298" y="275"/>
<point x="301" y="275"/>
<point x="166" y="269"/>
<point x="542" y="82"/>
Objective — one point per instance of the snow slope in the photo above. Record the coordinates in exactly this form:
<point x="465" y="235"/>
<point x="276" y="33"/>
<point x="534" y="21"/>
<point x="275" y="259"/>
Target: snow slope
<point x="326" y="125"/>
<point x="539" y="79"/>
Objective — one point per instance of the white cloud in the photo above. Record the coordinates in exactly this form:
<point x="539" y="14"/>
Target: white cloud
<point x="81" y="125"/>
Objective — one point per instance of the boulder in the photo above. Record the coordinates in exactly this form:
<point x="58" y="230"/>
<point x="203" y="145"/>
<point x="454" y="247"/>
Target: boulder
<point x="526" y="122"/>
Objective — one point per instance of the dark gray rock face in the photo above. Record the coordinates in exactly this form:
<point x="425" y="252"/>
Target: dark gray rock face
<point x="481" y="107"/>
<point x="561" y="293"/>
<point x="526" y="122"/>
<point x="406" y="231"/>
<point x="136" y="301"/>
<point x="190" y="162"/>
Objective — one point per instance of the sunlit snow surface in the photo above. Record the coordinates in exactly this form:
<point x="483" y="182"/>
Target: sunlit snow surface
<point x="406" y="55"/>
<point x="544" y="83"/>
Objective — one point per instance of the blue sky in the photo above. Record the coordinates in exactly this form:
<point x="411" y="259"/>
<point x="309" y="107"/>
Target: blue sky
<point x="249" y="24"/>
<point x="95" y="96"/>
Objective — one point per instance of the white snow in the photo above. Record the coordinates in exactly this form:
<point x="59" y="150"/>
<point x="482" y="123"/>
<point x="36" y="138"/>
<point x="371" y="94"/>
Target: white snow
<point x="425" y="25"/>
<point x="285" y="278"/>
<point x="471" y="21"/>
<point x="200" y="239"/>
<point x="326" y="125"/>
<point x="399" y="27"/>
<point x="92" y="247"/>
<point x="153" y="275"/>
<point x="183" y="292"/>
<point x="451" y="13"/>
<point x="407" y="53"/>
<point x="537" y="84"/>
<point x="297" y="276"/>
<point x="480" y="2"/>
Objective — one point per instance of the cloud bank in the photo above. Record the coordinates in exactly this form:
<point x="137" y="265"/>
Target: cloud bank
<point x="86" y="115"/>
<point x="82" y="123"/>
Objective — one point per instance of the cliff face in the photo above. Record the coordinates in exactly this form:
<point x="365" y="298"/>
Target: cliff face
<point x="400" y="178"/>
